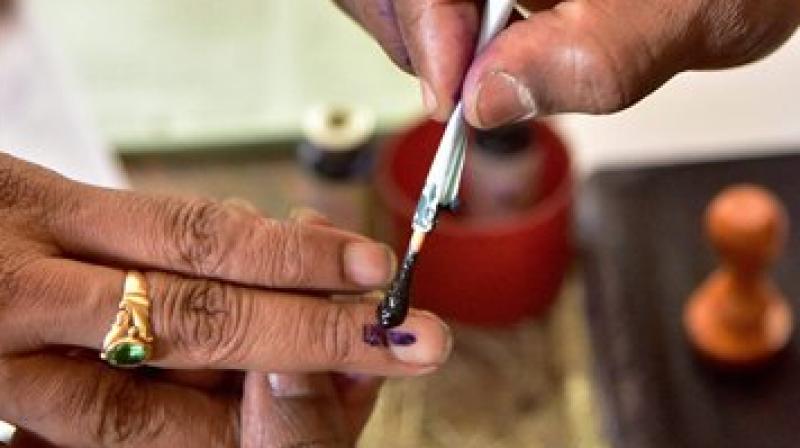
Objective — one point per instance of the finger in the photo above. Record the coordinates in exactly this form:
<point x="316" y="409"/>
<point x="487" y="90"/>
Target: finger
<point x="357" y="395"/>
<point x="379" y="19"/>
<point x="74" y="402"/>
<point x="202" y="324"/>
<point x="440" y="37"/>
<point x="291" y="410"/>
<point x="256" y="399"/>
<point x="213" y="379"/>
<point x="222" y="381"/>
<point x="310" y="216"/>
<point x="208" y="239"/>
<point x="580" y="56"/>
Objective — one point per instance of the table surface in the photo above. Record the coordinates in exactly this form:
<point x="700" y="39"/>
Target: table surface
<point x="645" y="253"/>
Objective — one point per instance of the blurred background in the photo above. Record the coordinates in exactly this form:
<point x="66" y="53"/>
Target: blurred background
<point x="202" y="73"/>
<point x="258" y="99"/>
<point x="185" y="74"/>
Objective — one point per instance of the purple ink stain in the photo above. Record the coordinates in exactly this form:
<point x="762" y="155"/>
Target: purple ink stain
<point x="376" y="336"/>
<point x="401" y="338"/>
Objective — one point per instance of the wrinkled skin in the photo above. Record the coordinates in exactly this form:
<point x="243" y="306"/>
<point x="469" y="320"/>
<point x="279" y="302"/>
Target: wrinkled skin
<point x="231" y="291"/>
<point x="594" y="56"/>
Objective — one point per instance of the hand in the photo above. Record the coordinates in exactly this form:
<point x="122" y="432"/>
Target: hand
<point x="320" y="410"/>
<point x="229" y="291"/>
<point x="294" y="410"/>
<point x="594" y="56"/>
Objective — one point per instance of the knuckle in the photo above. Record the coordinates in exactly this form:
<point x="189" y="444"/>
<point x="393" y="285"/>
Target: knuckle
<point x="204" y="320"/>
<point x="125" y="411"/>
<point x="336" y="340"/>
<point x="12" y="263"/>
<point x="24" y="184"/>
<point x="13" y="187"/>
<point x="285" y="259"/>
<point x="198" y="228"/>
<point x="733" y="36"/>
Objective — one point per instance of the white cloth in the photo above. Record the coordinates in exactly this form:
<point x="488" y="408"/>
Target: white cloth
<point x="41" y="119"/>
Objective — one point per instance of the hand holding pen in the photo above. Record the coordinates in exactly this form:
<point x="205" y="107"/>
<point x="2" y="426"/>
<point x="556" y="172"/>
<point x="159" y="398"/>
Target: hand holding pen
<point x="442" y="183"/>
<point x="593" y="56"/>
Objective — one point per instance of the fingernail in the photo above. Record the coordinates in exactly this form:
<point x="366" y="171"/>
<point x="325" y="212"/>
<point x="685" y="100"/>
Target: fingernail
<point x="368" y="264"/>
<point x="373" y="335"/>
<point x="404" y="347"/>
<point x="448" y="335"/>
<point x="502" y="99"/>
<point x="428" y="98"/>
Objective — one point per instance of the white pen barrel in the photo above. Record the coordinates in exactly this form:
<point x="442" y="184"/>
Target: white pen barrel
<point x="495" y="18"/>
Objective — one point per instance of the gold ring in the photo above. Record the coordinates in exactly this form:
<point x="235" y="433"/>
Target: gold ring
<point x="128" y="343"/>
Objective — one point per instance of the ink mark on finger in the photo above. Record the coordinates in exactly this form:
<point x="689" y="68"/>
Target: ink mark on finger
<point x="374" y="335"/>
<point x="377" y="336"/>
<point x="401" y="338"/>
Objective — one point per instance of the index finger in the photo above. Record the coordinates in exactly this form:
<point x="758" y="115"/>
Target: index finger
<point x="440" y="39"/>
<point x="203" y="238"/>
<point x="440" y="36"/>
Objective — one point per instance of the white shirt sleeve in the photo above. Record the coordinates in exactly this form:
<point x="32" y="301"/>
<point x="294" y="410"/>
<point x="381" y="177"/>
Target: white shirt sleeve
<point x="41" y="117"/>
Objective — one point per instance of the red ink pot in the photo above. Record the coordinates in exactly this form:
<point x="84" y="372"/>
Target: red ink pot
<point x="489" y="273"/>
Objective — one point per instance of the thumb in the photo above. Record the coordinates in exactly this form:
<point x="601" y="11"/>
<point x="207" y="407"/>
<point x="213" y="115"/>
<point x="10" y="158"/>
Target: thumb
<point x="357" y="395"/>
<point x="579" y="56"/>
<point x="291" y="410"/>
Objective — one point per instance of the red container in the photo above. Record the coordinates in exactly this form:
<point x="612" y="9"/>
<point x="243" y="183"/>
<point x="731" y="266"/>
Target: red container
<point x="485" y="274"/>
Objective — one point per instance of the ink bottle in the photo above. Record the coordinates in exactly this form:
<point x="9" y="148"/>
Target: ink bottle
<point x="336" y="156"/>
<point x="502" y="172"/>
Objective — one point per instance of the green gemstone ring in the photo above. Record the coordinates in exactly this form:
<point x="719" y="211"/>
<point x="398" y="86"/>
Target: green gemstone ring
<point x="127" y="353"/>
<point x="128" y="343"/>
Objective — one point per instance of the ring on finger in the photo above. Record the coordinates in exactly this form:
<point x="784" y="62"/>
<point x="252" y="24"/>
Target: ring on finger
<point x="129" y="342"/>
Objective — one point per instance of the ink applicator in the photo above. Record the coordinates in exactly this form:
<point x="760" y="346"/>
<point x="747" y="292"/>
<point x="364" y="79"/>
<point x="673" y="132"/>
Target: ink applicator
<point x="442" y="183"/>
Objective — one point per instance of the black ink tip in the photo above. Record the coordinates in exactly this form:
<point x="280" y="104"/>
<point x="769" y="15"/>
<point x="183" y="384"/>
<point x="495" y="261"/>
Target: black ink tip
<point x="394" y="308"/>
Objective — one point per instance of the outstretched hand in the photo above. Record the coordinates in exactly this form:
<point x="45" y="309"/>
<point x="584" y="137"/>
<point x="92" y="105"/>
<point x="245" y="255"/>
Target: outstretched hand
<point x="229" y="289"/>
